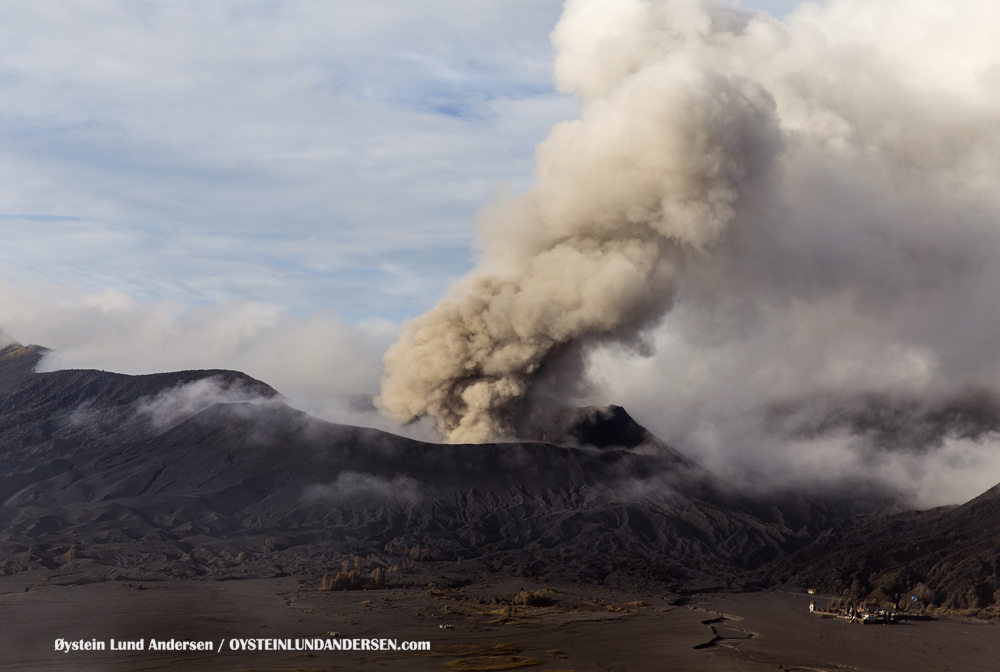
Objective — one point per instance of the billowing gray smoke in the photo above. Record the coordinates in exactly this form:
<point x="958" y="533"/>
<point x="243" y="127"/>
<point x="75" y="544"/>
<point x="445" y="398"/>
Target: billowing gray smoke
<point x="652" y="173"/>
<point x="815" y="202"/>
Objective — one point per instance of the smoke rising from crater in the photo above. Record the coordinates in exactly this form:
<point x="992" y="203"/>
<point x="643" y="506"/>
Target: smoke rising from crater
<point x="645" y="181"/>
<point x="814" y="202"/>
<point x="856" y="299"/>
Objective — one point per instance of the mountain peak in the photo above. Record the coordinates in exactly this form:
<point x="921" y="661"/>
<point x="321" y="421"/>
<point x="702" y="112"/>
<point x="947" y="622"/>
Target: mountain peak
<point x="599" y="426"/>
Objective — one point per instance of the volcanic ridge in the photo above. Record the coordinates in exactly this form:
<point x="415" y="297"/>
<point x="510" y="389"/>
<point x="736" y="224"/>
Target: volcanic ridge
<point x="211" y="474"/>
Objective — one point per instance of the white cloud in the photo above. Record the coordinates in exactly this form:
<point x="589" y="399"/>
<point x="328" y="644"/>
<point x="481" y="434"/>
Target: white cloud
<point x="863" y="281"/>
<point x="181" y="402"/>
<point x="350" y="486"/>
<point x="317" y="361"/>
<point x="192" y="146"/>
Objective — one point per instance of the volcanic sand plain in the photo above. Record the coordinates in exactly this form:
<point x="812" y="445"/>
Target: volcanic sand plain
<point x="583" y="628"/>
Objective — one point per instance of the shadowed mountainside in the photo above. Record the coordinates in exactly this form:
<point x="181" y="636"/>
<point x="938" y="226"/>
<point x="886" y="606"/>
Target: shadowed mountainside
<point x="947" y="557"/>
<point x="209" y="474"/>
<point x="127" y="476"/>
<point x="83" y="411"/>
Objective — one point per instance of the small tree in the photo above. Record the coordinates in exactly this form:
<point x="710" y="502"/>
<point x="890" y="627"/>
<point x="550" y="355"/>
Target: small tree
<point x="532" y="599"/>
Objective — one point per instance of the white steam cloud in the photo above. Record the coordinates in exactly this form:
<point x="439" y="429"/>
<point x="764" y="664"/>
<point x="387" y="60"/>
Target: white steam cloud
<point x="350" y="486"/>
<point x="5" y="339"/>
<point x="860" y="293"/>
<point x="816" y="202"/>
<point x="319" y="363"/>
<point x="180" y="402"/>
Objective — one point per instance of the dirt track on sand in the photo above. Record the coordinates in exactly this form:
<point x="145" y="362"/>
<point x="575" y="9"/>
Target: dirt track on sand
<point x="584" y="628"/>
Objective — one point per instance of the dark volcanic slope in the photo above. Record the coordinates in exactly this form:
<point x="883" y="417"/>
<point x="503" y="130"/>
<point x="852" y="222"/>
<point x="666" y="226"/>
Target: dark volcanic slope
<point x="262" y="489"/>
<point x="947" y="557"/>
<point x="84" y="410"/>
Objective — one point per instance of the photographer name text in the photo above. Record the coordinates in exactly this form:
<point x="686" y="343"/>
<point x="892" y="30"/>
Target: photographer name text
<point x="239" y="644"/>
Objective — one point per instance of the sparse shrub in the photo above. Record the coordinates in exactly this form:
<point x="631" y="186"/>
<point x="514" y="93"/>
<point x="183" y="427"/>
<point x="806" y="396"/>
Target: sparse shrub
<point x="417" y="553"/>
<point x="925" y="594"/>
<point x="979" y="596"/>
<point x="271" y="543"/>
<point x="352" y="580"/>
<point x="535" y="598"/>
<point x="346" y="579"/>
<point x="242" y="557"/>
<point x="378" y="577"/>
<point x="72" y="554"/>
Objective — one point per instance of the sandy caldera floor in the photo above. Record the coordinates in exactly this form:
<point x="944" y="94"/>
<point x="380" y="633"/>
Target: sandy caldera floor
<point x="585" y="628"/>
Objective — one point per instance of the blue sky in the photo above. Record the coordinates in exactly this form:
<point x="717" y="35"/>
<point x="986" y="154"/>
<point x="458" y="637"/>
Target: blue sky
<point x="313" y="156"/>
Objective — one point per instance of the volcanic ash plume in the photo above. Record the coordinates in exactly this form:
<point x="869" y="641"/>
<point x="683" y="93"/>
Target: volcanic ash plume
<point x="845" y="326"/>
<point x="643" y="183"/>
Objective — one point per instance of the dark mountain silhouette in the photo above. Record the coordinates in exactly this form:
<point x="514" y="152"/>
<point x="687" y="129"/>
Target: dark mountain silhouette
<point x="84" y="410"/>
<point x="138" y="478"/>
<point x="947" y="557"/>
<point x="210" y="473"/>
